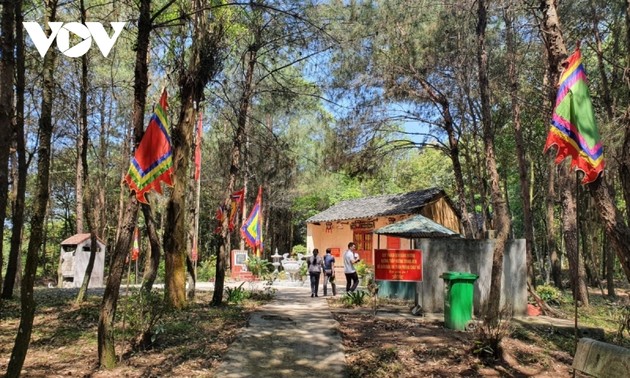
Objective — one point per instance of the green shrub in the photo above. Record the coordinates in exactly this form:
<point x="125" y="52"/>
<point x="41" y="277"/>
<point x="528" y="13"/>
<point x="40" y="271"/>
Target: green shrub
<point x="207" y="270"/>
<point x="548" y="293"/>
<point x="236" y="295"/>
<point x="355" y="298"/>
<point x="258" y="266"/>
<point x="298" y="249"/>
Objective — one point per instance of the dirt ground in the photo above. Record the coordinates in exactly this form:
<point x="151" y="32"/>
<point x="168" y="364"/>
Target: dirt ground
<point x="384" y="347"/>
<point x="192" y="343"/>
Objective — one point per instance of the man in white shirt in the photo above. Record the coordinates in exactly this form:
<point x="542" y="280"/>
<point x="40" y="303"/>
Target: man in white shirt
<point x="350" y="257"/>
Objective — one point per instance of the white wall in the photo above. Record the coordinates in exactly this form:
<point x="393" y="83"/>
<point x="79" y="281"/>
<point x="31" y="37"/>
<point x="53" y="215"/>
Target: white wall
<point x="81" y="259"/>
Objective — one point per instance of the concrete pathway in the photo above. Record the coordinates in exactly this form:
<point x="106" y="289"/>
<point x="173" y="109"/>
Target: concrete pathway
<point x="292" y="336"/>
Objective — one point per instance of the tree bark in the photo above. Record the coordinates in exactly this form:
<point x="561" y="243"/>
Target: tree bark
<point x="235" y="158"/>
<point x="501" y="220"/>
<point x="152" y="262"/>
<point x="106" y="343"/>
<point x="624" y="160"/>
<point x="617" y="233"/>
<point x="203" y="64"/>
<point x="521" y="153"/>
<point x="7" y="109"/>
<point x="17" y="213"/>
<point x="570" y="234"/>
<point x="27" y="311"/>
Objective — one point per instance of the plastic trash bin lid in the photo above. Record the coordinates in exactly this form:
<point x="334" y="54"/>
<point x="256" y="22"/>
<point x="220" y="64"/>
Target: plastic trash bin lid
<point x="459" y="276"/>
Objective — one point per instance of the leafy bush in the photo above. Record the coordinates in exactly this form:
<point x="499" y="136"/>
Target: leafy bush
<point x="298" y="249"/>
<point x="144" y="312"/>
<point x="548" y="293"/>
<point x="354" y="298"/>
<point x="207" y="270"/>
<point x="236" y="295"/>
<point x="258" y="266"/>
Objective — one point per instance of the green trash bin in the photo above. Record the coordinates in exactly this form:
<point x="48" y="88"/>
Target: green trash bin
<point x="458" y="299"/>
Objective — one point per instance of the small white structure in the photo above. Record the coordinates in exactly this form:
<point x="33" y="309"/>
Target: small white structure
<point x="74" y="258"/>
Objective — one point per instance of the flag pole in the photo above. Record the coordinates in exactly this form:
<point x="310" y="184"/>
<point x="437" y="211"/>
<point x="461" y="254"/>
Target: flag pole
<point x="577" y="247"/>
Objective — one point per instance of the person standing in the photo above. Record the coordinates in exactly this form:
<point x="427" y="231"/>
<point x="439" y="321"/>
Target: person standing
<point x="315" y="264"/>
<point x="350" y="257"/>
<point x="329" y="272"/>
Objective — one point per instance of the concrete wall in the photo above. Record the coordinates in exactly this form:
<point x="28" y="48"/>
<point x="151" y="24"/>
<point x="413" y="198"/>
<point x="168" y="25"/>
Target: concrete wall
<point x="465" y="255"/>
<point x="78" y="261"/>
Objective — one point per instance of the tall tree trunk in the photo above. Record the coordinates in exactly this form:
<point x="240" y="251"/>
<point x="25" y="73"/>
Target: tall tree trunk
<point x="624" y="161"/>
<point x="614" y="224"/>
<point x="152" y="261"/>
<point x="617" y="233"/>
<point x="570" y="234"/>
<point x="177" y="224"/>
<point x="7" y="68"/>
<point x="86" y="200"/>
<point x="521" y="154"/>
<point x="556" y="54"/>
<point x="502" y="219"/>
<point x="27" y="311"/>
<point x="235" y="158"/>
<point x="106" y="345"/>
<point x="17" y="213"/>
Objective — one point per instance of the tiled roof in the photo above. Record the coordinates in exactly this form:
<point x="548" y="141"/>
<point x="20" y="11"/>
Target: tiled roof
<point x="417" y="227"/>
<point x="78" y="239"/>
<point x="391" y="204"/>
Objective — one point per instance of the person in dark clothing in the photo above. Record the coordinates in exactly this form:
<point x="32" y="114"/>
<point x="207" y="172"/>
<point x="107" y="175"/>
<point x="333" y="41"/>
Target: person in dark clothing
<point x="315" y="264"/>
<point x="329" y="272"/>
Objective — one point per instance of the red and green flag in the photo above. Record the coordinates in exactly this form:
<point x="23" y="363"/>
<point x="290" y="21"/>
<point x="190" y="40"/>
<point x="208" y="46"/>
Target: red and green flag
<point x="135" y="251"/>
<point x="236" y="205"/>
<point x="252" y="228"/>
<point x="573" y="127"/>
<point x="152" y="163"/>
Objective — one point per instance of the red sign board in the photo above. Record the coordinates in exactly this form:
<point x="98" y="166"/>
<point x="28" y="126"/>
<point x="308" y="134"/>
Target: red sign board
<point x="398" y="265"/>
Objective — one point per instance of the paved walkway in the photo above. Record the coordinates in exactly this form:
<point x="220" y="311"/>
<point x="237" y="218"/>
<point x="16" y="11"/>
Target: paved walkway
<point x="292" y="336"/>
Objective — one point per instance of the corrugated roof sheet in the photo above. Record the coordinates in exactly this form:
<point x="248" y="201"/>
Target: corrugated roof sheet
<point x="391" y="204"/>
<point x="417" y="226"/>
<point x="78" y="239"/>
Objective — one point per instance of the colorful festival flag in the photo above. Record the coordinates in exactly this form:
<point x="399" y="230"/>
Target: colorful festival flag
<point x="573" y="128"/>
<point x="236" y="204"/>
<point x="219" y="218"/>
<point x="153" y="160"/>
<point x="252" y="228"/>
<point x="198" y="148"/>
<point x="135" y="251"/>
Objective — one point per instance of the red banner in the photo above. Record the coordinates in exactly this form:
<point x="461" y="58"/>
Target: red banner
<point x="398" y="265"/>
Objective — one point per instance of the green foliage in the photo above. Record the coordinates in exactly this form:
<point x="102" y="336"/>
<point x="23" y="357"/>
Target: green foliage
<point x="144" y="312"/>
<point x="207" y="270"/>
<point x="548" y="293"/>
<point x="161" y="273"/>
<point x="298" y="249"/>
<point x="355" y="298"/>
<point x="363" y="270"/>
<point x="236" y="295"/>
<point x="258" y="266"/>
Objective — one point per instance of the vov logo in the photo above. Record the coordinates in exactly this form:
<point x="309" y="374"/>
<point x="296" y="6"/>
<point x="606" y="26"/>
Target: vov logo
<point x="61" y="31"/>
